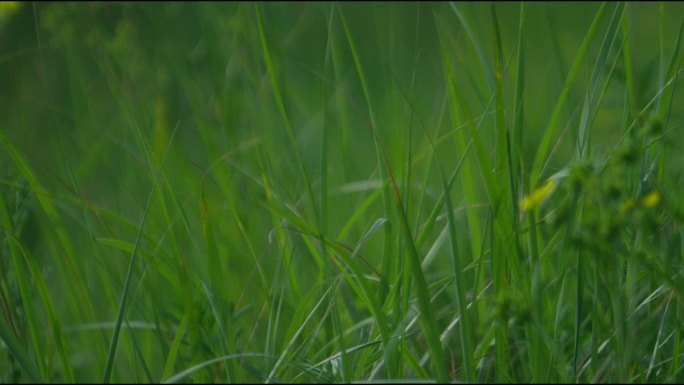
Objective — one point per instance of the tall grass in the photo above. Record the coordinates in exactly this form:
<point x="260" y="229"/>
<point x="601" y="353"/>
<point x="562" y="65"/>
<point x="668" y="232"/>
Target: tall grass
<point x="224" y="192"/>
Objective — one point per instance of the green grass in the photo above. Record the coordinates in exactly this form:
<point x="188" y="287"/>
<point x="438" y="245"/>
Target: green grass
<point x="333" y="192"/>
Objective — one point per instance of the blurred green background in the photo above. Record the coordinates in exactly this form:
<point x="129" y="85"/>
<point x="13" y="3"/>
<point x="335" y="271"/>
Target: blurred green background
<point x="89" y="70"/>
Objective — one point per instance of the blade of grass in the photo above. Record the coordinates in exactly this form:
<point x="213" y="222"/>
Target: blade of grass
<point x="82" y="305"/>
<point x="534" y="343"/>
<point x="591" y="100"/>
<point x="227" y="335"/>
<point x="281" y="108"/>
<point x="27" y="303"/>
<point x="550" y="131"/>
<point x="122" y="304"/>
<point x="478" y="48"/>
<point x="286" y="121"/>
<point x="56" y="328"/>
<point x="466" y="333"/>
<point x="175" y="344"/>
<point x="384" y="172"/>
<point x="468" y="178"/>
<point x="295" y="337"/>
<point x="627" y="60"/>
<point x="140" y="357"/>
<point x="427" y="319"/>
<point x="324" y="193"/>
<point x="658" y="343"/>
<point x="179" y="376"/>
<point x="14" y="347"/>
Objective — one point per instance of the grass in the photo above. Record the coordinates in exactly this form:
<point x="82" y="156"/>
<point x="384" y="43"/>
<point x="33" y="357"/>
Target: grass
<point x="413" y="192"/>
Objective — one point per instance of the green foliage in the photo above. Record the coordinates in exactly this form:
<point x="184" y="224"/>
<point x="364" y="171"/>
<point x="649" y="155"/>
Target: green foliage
<point x="322" y="192"/>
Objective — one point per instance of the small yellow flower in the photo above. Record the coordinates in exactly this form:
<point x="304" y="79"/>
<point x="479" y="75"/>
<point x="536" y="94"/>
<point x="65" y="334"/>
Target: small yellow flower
<point x="7" y="9"/>
<point x="9" y="6"/>
<point x="539" y="195"/>
<point x="651" y="199"/>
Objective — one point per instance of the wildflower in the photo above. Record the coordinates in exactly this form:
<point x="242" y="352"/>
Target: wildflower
<point x="7" y="9"/>
<point x="539" y="195"/>
<point x="9" y="6"/>
<point x="651" y="199"/>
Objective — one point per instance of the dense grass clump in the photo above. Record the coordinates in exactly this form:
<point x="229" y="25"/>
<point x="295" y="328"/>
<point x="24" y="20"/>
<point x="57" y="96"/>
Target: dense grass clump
<point x="323" y="192"/>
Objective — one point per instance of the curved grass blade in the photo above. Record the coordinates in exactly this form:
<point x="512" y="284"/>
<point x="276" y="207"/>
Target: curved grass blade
<point x="175" y="378"/>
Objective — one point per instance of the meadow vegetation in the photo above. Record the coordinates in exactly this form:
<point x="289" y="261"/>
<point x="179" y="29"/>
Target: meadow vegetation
<point x="337" y="192"/>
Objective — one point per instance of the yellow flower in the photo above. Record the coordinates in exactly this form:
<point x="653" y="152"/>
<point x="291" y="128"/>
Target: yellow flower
<point x="651" y="199"/>
<point x="9" y="6"/>
<point x="539" y="195"/>
<point x="7" y="9"/>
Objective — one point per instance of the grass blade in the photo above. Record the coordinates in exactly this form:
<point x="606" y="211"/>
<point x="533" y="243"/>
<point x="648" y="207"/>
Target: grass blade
<point x="550" y="131"/>
<point x="109" y="365"/>
<point x="17" y="351"/>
